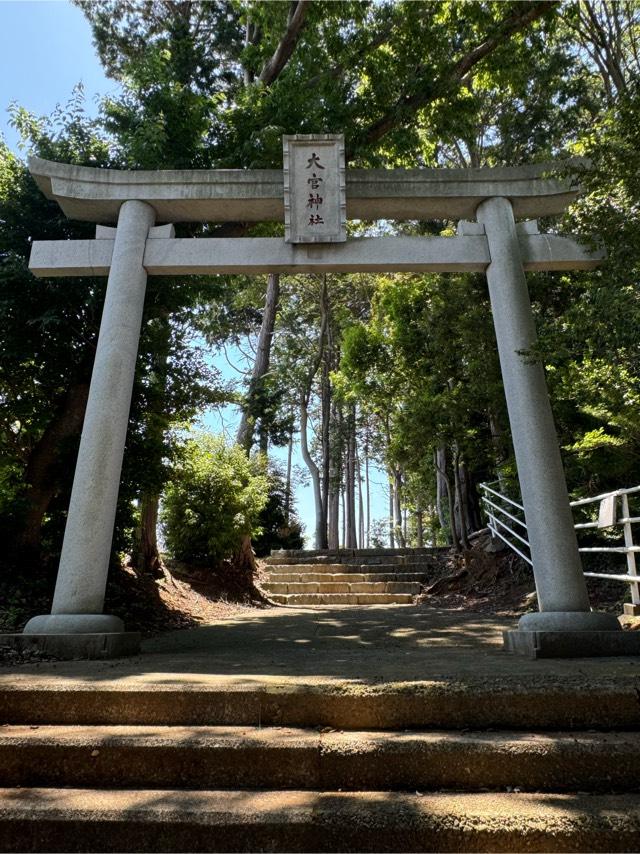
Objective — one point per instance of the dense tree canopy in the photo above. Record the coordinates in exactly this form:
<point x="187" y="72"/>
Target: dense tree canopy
<point x="396" y="372"/>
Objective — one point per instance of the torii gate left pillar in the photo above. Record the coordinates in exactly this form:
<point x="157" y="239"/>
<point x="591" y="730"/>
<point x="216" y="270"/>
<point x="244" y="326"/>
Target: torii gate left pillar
<point x="493" y="245"/>
<point x="84" y="563"/>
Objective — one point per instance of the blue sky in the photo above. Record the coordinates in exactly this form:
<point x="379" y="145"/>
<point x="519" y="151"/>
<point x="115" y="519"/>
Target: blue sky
<point x="45" y="51"/>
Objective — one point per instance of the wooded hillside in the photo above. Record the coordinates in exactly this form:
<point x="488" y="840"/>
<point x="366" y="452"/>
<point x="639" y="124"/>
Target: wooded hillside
<point x="396" y="371"/>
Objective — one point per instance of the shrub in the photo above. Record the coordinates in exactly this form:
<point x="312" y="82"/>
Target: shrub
<point x="280" y="529"/>
<point x="213" y="500"/>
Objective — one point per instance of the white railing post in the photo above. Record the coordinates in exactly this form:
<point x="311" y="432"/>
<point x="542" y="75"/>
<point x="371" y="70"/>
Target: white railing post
<point x="631" y="555"/>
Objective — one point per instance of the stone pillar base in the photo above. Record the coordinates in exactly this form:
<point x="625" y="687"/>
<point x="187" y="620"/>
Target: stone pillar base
<point x="567" y="644"/>
<point x="96" y="645"/>
<point x="631" y="610"/>
<point x="73" y="624"/>
<point x="569" y="621"/>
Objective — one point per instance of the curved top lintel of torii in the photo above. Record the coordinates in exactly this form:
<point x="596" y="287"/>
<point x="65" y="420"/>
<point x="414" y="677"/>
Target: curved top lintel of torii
<point x="256" y="195"/>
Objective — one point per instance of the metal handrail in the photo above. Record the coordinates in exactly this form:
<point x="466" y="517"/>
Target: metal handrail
<point x="487" y="487"/>
<point x="505" y="513"/>
<point x="499" y="528"/>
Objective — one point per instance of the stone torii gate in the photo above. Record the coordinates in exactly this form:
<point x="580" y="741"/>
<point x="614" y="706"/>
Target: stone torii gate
<point x="486" y="202"/>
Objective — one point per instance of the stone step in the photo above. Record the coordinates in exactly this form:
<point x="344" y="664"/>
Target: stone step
<point x="567" y="703"/>
<point x="350" y="577"/>
<point x="355" y="560"/>
<point x="328" y="568"/>
<point x="411" y="588"/>
<point x="76" y="820"/>
<point x="342" y="598"/>
<point x="204" y="757"/>
<point x="363" y="553"/>
<point x="350" y="568"/>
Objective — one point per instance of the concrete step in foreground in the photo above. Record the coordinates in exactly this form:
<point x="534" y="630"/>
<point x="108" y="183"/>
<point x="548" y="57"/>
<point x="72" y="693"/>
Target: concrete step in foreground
<point x="159" y="820"/>
<point x="91" y="765"/>
<point x="202" y="757"/>
<point x="527" y="705"/>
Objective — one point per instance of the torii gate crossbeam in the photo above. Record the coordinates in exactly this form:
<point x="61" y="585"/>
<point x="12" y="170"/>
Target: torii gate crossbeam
<point x="256" y="255"/>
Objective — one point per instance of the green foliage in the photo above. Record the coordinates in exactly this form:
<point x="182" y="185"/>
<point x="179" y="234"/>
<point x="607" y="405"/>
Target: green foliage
<point x="426" y="366"/>
<point x="48" y="335"/>
<point x="48" y="328"/>
<point x="279" y="524"/>
<point x="589" y="320"/>
<point x="213" y="500"/>
<point x="419" y="359"/>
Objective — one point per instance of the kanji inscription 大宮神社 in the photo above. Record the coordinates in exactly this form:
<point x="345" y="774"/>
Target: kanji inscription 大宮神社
<point x="314" y="189"/>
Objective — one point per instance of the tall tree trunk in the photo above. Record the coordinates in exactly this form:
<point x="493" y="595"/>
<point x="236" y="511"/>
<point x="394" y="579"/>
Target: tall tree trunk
<point x="334" y="515"/>
<point x="263" y="439"/>
<point x="461" y="515"/>
<point x="335" y="476"/>
<point x="287" y="485"/>
<point x="249" y="417"/>
<point x="325" y="405"/>
<point x="419" y="523"/>
<point x="397" y="506"/>
<point x="326" y="458"/>
<point x="314" y="471"/>
<point x="145" y="554"/>
<point x="343" y="541"/>
<point x="41" y="474"/>
<point x="499" y="450"/>
<point x="244" y="560"/>
<point x="392" y="533"/>
<point x="442" y="470"/>
<point x="147" y="558"/>
<point x="368" y="492"/>
<point x="469" y="498"/>
<point x="352" y="541"/>
<point x="440" y="464"/>
<point x="348" y="496"/>
<point x="248" y="39"/>
<point x="361" y="540"/>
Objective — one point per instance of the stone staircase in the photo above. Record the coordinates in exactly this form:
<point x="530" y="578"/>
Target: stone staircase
<point x="102" y="766"/>
<point x="349" y="576"/>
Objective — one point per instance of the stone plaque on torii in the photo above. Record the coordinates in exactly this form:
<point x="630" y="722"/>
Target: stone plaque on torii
<point x="485" y="202"/>
<point x="315" y="202"/>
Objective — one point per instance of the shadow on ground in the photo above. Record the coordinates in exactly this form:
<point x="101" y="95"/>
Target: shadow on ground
<point x="374" y="645"/>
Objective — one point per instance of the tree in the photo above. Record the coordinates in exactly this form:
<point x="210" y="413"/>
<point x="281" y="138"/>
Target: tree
<point x="217" y="84"/>
<point x="49" y="336"/>
<point x="280" y="527"/>
<point x="213" y="500"/>
<point x="48" y="331"/>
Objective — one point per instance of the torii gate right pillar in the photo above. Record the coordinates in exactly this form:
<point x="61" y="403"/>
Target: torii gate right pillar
<point x="560" y="583"/>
